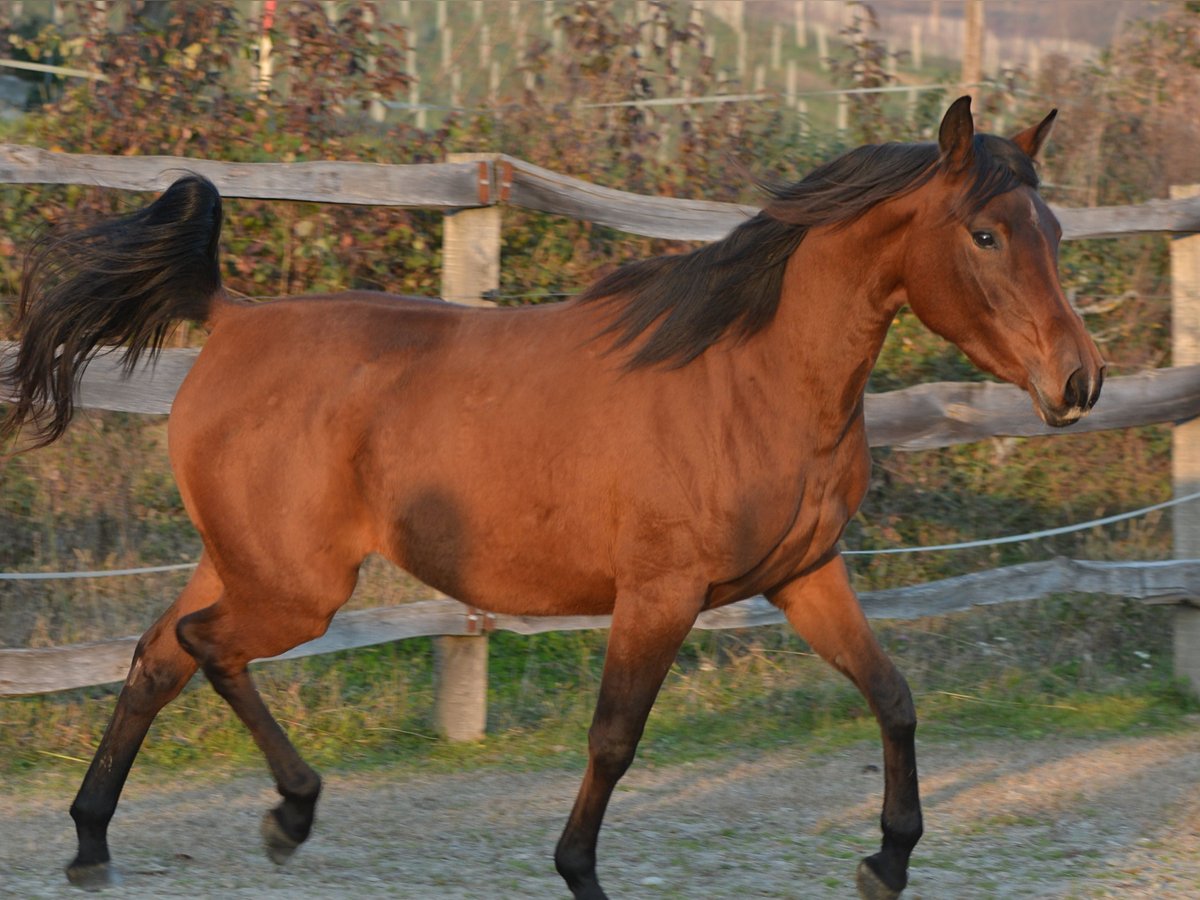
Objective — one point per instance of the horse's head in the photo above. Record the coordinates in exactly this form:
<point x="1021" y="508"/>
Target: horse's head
<point x="982" y="268"/>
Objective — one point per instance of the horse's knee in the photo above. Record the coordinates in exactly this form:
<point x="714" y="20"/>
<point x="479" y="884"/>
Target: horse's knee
<point x="899" y="722"/>
<point x="610" y="753"/>
<point x="893" y="703"/>
<point x="204" y="635"/>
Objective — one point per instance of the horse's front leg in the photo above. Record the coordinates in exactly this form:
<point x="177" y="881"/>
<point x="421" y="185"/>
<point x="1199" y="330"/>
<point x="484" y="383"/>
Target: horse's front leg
<point x="824" y="609"/>
<point x="644" y="639"/>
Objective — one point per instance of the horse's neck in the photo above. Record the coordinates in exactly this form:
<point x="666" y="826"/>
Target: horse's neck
<point x="841" y="292"/>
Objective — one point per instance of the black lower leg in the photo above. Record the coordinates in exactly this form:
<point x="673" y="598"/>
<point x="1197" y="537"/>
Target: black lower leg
<point x="575" y="854"/>
<point x="287" y="825"/>
<point x="637" y="660"/>
<point x="209" y="636"/>
<point x="96" y="801"/>
<point x="152" y="683"/>
<point x="901" y="820"/>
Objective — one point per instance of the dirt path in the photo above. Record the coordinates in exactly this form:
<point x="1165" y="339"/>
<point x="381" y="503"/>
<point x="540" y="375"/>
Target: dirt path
<point x="1081" y="819"/>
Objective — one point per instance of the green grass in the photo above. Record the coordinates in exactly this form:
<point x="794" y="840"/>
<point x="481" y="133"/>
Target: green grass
<point x="729" y="692"/>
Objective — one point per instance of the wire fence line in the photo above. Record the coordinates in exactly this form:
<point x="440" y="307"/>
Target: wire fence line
<point x="961" y="545"/>
<point x="685" y="100"/>
<point x="1031" y="535"/>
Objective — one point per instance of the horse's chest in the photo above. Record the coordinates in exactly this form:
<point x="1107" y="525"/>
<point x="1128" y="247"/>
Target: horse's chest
<point x="813" y="509"/>
<point x="831" y="493"/>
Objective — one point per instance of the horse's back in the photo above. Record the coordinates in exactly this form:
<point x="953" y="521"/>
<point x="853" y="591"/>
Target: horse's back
<point x="376" y="424"/>
<point x="502" y="456"/>
<point x="291" y="366"/>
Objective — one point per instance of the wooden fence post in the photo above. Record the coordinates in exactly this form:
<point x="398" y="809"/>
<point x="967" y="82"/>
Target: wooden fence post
<point x="1185" y="438"/>
<point x="470" y="270"/>
<point x="460" y="686"/>
<point x="471" y="242"/>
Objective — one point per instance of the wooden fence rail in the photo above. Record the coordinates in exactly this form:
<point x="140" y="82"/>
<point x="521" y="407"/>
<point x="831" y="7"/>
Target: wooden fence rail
<point x="34" y="671"/>
<point x="916" y="418"/>
<point x="938" y="414"/>
<point x="488" y="182"/>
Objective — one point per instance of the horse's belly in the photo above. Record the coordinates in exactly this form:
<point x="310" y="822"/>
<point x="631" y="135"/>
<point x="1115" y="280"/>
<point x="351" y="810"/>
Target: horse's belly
<point x="553" y="577"/>
<point x="501" y="537"/>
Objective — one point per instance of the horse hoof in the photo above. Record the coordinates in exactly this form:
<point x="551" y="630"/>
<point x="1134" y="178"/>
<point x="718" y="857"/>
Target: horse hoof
<point x="870" y="885"/>
<point x="94" y="876"/>
<point x="279" y="846"/>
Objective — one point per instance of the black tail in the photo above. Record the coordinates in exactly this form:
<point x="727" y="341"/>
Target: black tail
<point x="124" y="282"/>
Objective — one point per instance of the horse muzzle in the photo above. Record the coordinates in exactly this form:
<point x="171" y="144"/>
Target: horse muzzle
<point x="1078" y="396"/>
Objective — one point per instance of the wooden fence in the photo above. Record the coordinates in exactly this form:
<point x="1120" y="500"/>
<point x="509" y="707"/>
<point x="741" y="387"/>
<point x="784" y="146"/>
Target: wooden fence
<point x="472" y="190"/>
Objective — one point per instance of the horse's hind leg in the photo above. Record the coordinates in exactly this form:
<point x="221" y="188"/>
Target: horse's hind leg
<point x="642" y="644"/>
<point x="223" y="643"/>
<point x="823" y="608"/>
<point x="159" y="671"/>
<point x="256" y="618"/>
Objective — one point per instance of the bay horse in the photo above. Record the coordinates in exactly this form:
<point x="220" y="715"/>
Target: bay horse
<point x="686" y="433"/>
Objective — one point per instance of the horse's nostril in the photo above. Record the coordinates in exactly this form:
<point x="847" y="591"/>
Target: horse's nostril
<point x="1077" y="392"/>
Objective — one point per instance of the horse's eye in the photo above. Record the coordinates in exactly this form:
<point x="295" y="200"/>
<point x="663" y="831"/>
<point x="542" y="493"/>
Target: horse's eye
<point x="984" y="239"/>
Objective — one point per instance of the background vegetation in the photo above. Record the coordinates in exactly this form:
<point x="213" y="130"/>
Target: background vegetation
<point x="181" y="79"/>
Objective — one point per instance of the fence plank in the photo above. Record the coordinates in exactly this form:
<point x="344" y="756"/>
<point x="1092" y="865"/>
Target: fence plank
<point x="451" y="185"/>
<point x="150" y="389"/>
<point x="662" y="217"/>
<point x="430" y="186"/>
<point x="940" y="414"/>
<point x="24" y="671"/>
<point x="1179" y="215"/>
<point x="1167" y="581"/>
<point x="43" y="670"/>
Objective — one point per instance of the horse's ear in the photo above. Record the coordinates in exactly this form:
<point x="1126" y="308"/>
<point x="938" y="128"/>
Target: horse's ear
<point x="957" y="134"/>
<point x="1031" y="139"/>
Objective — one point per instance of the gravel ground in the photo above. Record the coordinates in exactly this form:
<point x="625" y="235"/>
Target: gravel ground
<point x="1004" y="818"/>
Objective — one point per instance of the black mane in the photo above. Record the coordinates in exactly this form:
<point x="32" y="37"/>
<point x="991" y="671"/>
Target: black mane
<point x="732" y="286"/>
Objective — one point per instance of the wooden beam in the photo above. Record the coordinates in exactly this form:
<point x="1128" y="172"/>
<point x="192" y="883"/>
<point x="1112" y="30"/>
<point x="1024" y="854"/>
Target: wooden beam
<point x="942" y="414"/>
<point x="932" y="415"/>
<point x="26" y="671"/>
<point x="663" y="217"/>
<point x="455" y="185"/>
<point x="1178" y="215"/>
<point x="428" y="186"/>
<point x="150" y="389"/>
<point x="1159" y="582"/>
